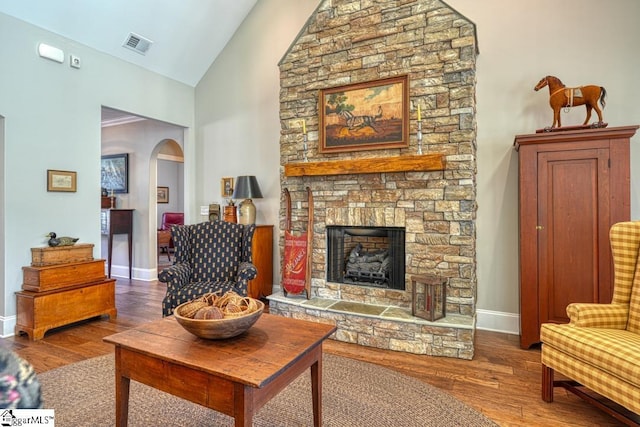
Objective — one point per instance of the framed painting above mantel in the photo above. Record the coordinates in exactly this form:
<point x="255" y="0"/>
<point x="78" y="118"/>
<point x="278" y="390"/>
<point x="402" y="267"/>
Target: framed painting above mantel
<point x="365" y="116"/>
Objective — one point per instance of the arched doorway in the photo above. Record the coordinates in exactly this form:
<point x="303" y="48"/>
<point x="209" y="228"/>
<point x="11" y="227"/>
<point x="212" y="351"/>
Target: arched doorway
<point x="147" y="142"/>
<point x="169" y="178"/>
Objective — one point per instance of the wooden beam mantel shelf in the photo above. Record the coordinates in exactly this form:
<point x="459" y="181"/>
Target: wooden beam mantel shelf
<point x="414" y="163"/>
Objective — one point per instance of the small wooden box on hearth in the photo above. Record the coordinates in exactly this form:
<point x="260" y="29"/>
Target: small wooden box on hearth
<point x="63" y="285"/>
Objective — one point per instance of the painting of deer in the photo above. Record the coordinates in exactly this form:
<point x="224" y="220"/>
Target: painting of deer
<point x="355" y="122"/>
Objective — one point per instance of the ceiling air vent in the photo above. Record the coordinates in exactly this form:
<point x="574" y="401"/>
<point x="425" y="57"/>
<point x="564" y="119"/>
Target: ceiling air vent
<point x="137" y="43"/>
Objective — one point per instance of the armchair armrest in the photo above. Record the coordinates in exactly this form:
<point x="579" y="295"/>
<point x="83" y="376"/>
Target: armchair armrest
<point x="246" y="271"/>
<point x="592" y="315"/>
<point x="176" y="276"/>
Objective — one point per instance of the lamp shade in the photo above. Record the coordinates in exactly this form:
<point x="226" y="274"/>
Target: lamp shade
<point x="247" y="188"/>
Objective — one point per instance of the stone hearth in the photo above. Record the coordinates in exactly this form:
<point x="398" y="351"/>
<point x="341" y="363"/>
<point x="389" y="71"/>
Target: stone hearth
<point x="383" y="326"/>
<point x="432" y="196"/>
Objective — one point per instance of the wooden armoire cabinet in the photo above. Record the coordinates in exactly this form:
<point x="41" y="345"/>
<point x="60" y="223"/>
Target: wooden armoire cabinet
<point x="573" y="186"/>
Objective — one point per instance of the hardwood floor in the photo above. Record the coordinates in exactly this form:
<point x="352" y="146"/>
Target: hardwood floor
<point x="502" y="381"/>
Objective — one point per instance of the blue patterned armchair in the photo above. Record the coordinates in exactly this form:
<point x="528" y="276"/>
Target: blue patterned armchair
<point x="210" y="256"/>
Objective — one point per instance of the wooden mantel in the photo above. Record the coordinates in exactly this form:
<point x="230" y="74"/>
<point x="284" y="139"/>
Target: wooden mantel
<point x="414" y="163"/>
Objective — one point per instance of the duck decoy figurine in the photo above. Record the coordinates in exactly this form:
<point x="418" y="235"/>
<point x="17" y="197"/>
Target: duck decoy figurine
<point x="61" y="241"/>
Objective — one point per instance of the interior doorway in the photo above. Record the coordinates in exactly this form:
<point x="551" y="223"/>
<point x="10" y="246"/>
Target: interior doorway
<point x="170" y="200"/>
<point x="154" y="151"/>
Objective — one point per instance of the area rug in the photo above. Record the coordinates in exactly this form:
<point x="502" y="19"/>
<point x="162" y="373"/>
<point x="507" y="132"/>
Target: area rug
<point x="354" y="394"/>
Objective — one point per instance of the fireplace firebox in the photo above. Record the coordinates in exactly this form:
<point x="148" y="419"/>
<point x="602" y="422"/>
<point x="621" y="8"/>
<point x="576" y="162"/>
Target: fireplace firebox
<point x="366" y="256"/>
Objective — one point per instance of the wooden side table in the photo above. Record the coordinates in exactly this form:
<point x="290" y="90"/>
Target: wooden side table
<point x="164" y="242"/>
<point x="262" y="255"/>
<point x="120" y="222"/>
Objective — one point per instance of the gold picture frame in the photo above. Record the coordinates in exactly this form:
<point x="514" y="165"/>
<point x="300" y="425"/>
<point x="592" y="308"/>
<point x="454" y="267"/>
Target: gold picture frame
<point x="365" y="116"/>
<point x="163" y="195"/>
<point x="226" y="186"/>
<point x="64" y="181"/>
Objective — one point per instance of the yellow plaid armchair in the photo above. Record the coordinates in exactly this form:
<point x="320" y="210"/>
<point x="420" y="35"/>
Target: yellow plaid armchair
<point x="210" y="257"/>
<point x="600" y="347"/>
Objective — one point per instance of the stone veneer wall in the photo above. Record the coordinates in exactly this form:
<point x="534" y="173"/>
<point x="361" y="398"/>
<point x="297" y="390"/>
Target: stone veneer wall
<point x="346" y="42"/>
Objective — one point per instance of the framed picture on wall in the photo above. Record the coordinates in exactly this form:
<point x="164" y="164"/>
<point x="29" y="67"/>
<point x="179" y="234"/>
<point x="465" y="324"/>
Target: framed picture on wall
<point x="61" y="181"/>
<point x="163" y="194"/>
<point x="114" y="173"/>
<point x="226" y="186"/>
<point x="365" y="116"/>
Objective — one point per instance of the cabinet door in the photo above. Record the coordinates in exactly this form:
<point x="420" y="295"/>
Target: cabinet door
<point x="573" y="224"/>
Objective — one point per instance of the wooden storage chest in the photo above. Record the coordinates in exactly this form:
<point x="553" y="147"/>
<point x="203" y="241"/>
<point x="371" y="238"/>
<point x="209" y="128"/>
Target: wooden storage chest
<point x="40" y="311"/>
<point x="61" y="254"/>
<point x="59" y="276"/>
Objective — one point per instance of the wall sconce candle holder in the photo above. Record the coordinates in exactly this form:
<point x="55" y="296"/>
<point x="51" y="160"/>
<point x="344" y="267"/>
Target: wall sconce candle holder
<point x="428" y="295"/>
<point x="419" y="135"/>
<point x="304" y="148"/>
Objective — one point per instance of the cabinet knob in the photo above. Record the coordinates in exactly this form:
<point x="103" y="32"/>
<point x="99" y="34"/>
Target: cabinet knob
<point x="539" y="227"/>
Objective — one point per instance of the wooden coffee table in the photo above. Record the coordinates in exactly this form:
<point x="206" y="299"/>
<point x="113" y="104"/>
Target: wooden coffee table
<point x="236" y="376"/>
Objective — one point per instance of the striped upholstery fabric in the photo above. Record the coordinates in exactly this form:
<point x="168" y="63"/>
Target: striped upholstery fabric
<point x="210" y="256"/>
<point x="600" y="347"/>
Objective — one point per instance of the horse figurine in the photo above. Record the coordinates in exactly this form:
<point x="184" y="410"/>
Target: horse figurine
<point x="561" y="96"/>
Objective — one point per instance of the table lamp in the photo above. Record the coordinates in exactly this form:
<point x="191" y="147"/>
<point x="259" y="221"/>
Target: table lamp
<point x="247" y="188"/>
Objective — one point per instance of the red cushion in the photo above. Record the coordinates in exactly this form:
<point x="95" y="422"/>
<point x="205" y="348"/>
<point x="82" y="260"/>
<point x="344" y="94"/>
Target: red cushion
<point x="171" y="218"/>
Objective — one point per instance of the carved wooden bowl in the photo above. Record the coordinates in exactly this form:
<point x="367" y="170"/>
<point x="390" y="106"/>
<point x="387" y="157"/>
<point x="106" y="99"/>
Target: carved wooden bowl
<point x="216" y="329"/>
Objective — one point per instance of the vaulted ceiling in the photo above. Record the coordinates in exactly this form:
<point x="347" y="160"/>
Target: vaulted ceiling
<point x="186" y="35"/>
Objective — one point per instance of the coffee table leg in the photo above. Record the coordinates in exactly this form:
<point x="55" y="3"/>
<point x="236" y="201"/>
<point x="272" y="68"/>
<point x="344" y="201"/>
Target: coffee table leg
<point x="316" y="389"/>
<point x="243" y="405"/>
<point x="122" y="394"/>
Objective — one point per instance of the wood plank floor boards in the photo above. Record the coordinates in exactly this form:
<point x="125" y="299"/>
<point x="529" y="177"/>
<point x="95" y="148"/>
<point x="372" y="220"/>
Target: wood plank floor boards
<point x="502" y="381"/>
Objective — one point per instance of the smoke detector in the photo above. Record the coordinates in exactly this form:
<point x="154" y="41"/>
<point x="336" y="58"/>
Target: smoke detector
<point x="137" y="43"/>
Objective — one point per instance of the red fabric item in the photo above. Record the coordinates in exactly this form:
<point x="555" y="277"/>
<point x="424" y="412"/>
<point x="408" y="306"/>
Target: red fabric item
<point x="295" y="263"/>
<point x="171" y="218"/>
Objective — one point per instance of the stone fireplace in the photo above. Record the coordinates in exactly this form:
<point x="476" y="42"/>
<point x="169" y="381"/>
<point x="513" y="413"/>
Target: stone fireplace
<point x="430" y="193"/>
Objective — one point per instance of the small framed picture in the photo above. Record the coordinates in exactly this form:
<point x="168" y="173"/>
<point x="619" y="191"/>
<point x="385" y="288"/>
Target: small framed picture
<point x="61" y="181"/>
<point x="226" y="186"/>
<point x="163" y="194"/>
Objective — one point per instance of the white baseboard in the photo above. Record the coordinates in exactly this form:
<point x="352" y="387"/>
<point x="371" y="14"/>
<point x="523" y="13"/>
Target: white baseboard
<point x="497" y="321"/>
<point x="144" y="274"/>
<point x="8" y="326"/>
